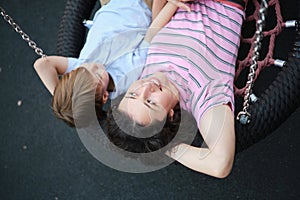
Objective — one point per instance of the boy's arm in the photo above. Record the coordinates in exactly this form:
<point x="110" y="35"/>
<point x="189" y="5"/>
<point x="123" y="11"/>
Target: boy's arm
<point x="48" y="69"/>
<point x="162" y="12"/>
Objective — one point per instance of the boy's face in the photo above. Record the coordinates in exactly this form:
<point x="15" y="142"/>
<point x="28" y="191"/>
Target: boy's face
<point x="99" y="73"/>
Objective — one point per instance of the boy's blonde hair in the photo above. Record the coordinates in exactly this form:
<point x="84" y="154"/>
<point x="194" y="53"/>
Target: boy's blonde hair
<point x="74" y="96"/>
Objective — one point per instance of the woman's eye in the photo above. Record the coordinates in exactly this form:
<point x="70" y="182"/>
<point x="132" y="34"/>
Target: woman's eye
<point x="132" y="94"/>
<point x="151" y="102"/>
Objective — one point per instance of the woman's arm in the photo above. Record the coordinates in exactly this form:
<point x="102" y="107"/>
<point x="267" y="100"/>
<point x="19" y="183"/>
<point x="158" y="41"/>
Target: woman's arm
<point x="157" y="6"/>
<point x="162" y="12"/>
<point x="218" y="133"/>
<point x="48" y="69"/>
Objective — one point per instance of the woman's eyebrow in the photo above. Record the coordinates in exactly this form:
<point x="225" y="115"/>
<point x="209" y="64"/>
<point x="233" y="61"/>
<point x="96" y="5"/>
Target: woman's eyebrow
<point x="130" y="97"/>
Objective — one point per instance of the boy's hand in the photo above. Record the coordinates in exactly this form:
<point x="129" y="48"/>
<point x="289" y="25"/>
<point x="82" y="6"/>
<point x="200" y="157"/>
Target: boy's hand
<point x="181" y="4"/>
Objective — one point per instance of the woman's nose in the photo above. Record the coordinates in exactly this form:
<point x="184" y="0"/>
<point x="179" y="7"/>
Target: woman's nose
<point x="147" y="89"/>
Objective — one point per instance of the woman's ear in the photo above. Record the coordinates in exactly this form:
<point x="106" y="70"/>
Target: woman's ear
<point x="105" y="97"/>
<point x="171" y="114"/>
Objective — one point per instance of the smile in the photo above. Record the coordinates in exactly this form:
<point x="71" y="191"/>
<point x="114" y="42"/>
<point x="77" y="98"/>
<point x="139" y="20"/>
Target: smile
<point x="156" y="82"/>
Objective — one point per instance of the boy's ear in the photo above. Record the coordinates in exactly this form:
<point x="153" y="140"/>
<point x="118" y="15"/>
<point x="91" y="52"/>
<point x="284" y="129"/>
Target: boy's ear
<point x="105" y="97"/>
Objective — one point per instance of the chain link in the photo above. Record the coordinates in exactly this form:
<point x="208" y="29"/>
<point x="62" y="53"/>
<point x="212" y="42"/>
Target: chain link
<point x="244" y="116"/>
<point x="24" y="36"/>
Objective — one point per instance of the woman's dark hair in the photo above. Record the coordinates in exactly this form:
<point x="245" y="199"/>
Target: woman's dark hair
<point x="162" y="133"/>
<point x="118" y="121"/>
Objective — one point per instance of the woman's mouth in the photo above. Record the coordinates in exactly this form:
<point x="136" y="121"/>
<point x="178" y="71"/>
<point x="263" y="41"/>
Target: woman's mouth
<point x="156" y="82"/>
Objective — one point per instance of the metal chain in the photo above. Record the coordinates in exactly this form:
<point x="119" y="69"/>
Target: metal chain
<point x="244" y="116"/>
<point x="25" y="37"/>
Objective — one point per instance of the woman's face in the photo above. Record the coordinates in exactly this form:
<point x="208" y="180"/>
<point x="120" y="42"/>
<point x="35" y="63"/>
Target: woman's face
<point x="99" y="73"/>
<point x="150" y="99"/>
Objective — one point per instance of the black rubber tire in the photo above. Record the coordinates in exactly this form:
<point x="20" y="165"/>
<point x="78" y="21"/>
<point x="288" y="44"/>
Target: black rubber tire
<point x="276" y="103"/>
<point x="71" y="35"/>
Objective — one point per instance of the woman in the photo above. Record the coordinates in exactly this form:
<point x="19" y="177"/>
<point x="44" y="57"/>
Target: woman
<point x="191" y="62"/>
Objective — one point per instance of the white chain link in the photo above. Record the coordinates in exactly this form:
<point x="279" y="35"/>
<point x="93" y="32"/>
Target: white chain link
<point x="25" y="37"/>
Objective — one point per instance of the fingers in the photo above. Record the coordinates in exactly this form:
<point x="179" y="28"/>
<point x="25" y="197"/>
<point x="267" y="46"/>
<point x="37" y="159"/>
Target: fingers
<point x="181" y="4"/>
<point x="184" y="6"/>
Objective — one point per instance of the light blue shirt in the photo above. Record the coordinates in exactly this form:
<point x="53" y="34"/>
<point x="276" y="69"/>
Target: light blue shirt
<point x="116" y="40"/>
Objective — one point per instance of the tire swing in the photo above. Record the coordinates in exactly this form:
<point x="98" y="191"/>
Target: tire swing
<point x="261" y="115"/>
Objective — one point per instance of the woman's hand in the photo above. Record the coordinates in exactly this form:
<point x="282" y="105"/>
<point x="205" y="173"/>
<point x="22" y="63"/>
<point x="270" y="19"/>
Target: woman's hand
<point x="181" y="4"/>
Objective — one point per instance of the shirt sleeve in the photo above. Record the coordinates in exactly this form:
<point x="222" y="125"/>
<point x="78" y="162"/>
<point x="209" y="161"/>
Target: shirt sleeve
<point x="73" y="63"/>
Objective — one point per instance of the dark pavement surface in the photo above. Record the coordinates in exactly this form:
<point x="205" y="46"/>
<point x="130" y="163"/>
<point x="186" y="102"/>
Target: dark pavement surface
<point x="42" y="158"/>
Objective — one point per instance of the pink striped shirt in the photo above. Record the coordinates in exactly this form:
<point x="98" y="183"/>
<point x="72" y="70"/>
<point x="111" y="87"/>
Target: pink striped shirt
<point x="197" y="51"/>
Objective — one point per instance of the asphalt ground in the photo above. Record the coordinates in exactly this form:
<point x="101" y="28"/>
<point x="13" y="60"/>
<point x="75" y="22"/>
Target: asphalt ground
<point x="42" y="158"/>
